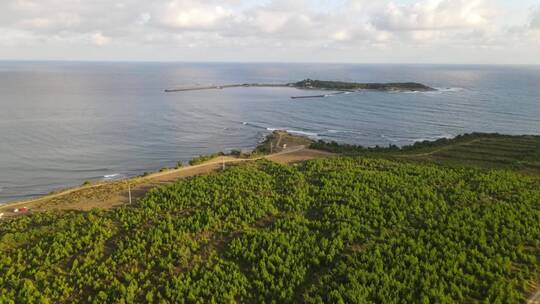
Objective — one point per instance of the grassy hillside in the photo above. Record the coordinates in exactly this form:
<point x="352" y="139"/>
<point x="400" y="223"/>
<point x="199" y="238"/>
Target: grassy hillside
<point x="494" y="151"/>
<point x="342" y="230"/>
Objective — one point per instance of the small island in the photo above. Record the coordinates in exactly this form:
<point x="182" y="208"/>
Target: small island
<point x="355" y="86"/>
<point x="310" y="84"/>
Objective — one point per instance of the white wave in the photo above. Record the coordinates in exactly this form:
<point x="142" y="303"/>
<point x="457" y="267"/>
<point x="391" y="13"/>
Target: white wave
<point x="437" y="91"/>
<point x="450" y="90"/>
<point x="337" y="94"/>
<point x="308" y="134"/>
<point x="420" y="139"/>
<point x="433" y="138"/>
<point x="392" y="139"/>
<point x="250" y="124"/>
<point x="331" y="131"/>
<point x="407" y="92"/>
<point x="114" y="176"/>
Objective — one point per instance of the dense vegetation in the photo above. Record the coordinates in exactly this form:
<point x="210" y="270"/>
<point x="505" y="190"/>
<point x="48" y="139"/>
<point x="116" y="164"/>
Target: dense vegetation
<point x="350" y="149"/>
<point x="476" y="149"/>
<point x="343" y="230"/>
<point x="261" y="150"/>
<point x="204" y="158"/>
<point x="353" y="86"/>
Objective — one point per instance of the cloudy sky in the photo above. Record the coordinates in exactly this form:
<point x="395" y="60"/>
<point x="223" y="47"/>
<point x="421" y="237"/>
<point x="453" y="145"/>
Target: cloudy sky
<point x="363" y="31"/>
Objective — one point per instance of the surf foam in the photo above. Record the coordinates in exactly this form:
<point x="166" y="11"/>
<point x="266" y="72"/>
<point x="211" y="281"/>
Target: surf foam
<point x="308" y="134"/>
<point x="115" y="176"/>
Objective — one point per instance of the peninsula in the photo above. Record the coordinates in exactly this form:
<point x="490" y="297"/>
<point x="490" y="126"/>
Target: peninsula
<point x="309" y="84"/>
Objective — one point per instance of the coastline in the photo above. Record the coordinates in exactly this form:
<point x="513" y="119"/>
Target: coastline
<point x="110" y="194"/>
<point x="130" y="180"/>
<point x="283" y="147"/>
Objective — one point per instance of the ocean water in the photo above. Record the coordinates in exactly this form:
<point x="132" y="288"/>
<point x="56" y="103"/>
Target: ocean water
<point x="62" y="123"/>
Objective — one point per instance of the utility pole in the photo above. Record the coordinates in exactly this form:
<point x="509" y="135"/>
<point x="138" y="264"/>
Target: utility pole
<point x="129" y="193"/>
<point x="271" y="146"/>
<point x="223" y="163"/>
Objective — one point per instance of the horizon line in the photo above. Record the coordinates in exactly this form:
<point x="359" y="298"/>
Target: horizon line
<point x="264" y="62"/>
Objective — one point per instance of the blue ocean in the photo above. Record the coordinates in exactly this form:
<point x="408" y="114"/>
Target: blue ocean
<point x="62" y="123"/>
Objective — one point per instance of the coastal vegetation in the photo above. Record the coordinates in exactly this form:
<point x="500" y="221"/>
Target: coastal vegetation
<point x="204" y="158"/>
<point x="355" y="86"/>
<point x="338" y="230"/>
<point x="201" y="159"/>
<point x="435" y="222"/>
<point x="494" y="151"/>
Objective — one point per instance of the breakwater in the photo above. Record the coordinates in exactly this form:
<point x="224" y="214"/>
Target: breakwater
<point x="227" y="86"/>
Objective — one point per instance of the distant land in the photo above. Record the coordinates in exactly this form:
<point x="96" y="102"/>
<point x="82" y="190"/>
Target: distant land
<point x="308" y="84"/>
<point x="356" y="86"/>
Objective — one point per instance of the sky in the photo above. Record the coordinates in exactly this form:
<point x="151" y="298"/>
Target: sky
<point x="349" y="31"/>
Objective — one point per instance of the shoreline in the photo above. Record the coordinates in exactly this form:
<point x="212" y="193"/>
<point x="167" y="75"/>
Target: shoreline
<point x="129" y="180"/>
<point x="108" y="194"/>
<point x="287" y="148"/>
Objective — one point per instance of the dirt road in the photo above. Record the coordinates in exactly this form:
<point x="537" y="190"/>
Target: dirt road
<point x="113" y="194"/>
<point x="535" y="299"/>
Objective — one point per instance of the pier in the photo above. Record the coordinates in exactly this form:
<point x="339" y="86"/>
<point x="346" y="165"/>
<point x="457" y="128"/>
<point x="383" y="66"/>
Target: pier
<point x="228" y="86"/>
<point x="308" y="96"/>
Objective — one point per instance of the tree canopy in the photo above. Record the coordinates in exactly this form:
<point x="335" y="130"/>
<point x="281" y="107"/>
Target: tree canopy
<point x="341" y="230"/>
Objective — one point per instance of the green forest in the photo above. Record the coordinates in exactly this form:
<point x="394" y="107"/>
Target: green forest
<point x="487" y="150"/>
<point x="337" y="230"/>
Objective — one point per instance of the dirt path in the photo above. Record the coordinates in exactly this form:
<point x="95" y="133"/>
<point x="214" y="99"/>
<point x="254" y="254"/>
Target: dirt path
<point x="279" y="140"/>
<point x="114" y="194"/>
<point x="535" y="299"/>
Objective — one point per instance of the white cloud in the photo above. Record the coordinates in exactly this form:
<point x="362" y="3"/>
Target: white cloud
<point x="53" y="22"/>
<point x="434" y="15"/>
<point x="193" y="15"/>
<point x="342" y="36"/>
<point x="144" y="18"/>
<point x="99" y="39"/>
<point x="35" y="23"/>
<point x="535" y="19"/>
<point x="26" y="5"/>
<point x="13" y="37"/>
<point x="261" y="27"/>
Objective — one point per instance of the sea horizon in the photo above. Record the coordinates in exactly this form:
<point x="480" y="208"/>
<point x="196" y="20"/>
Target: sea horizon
<point x="383" y="63"/>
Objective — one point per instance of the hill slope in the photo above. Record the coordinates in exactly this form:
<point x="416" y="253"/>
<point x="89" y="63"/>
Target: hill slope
<point x="492" y="151"/>
<point x="335" y="230"/>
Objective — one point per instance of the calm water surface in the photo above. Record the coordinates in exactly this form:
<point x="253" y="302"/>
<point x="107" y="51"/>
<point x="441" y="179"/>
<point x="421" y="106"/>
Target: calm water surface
<point x="64" y="123"/>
